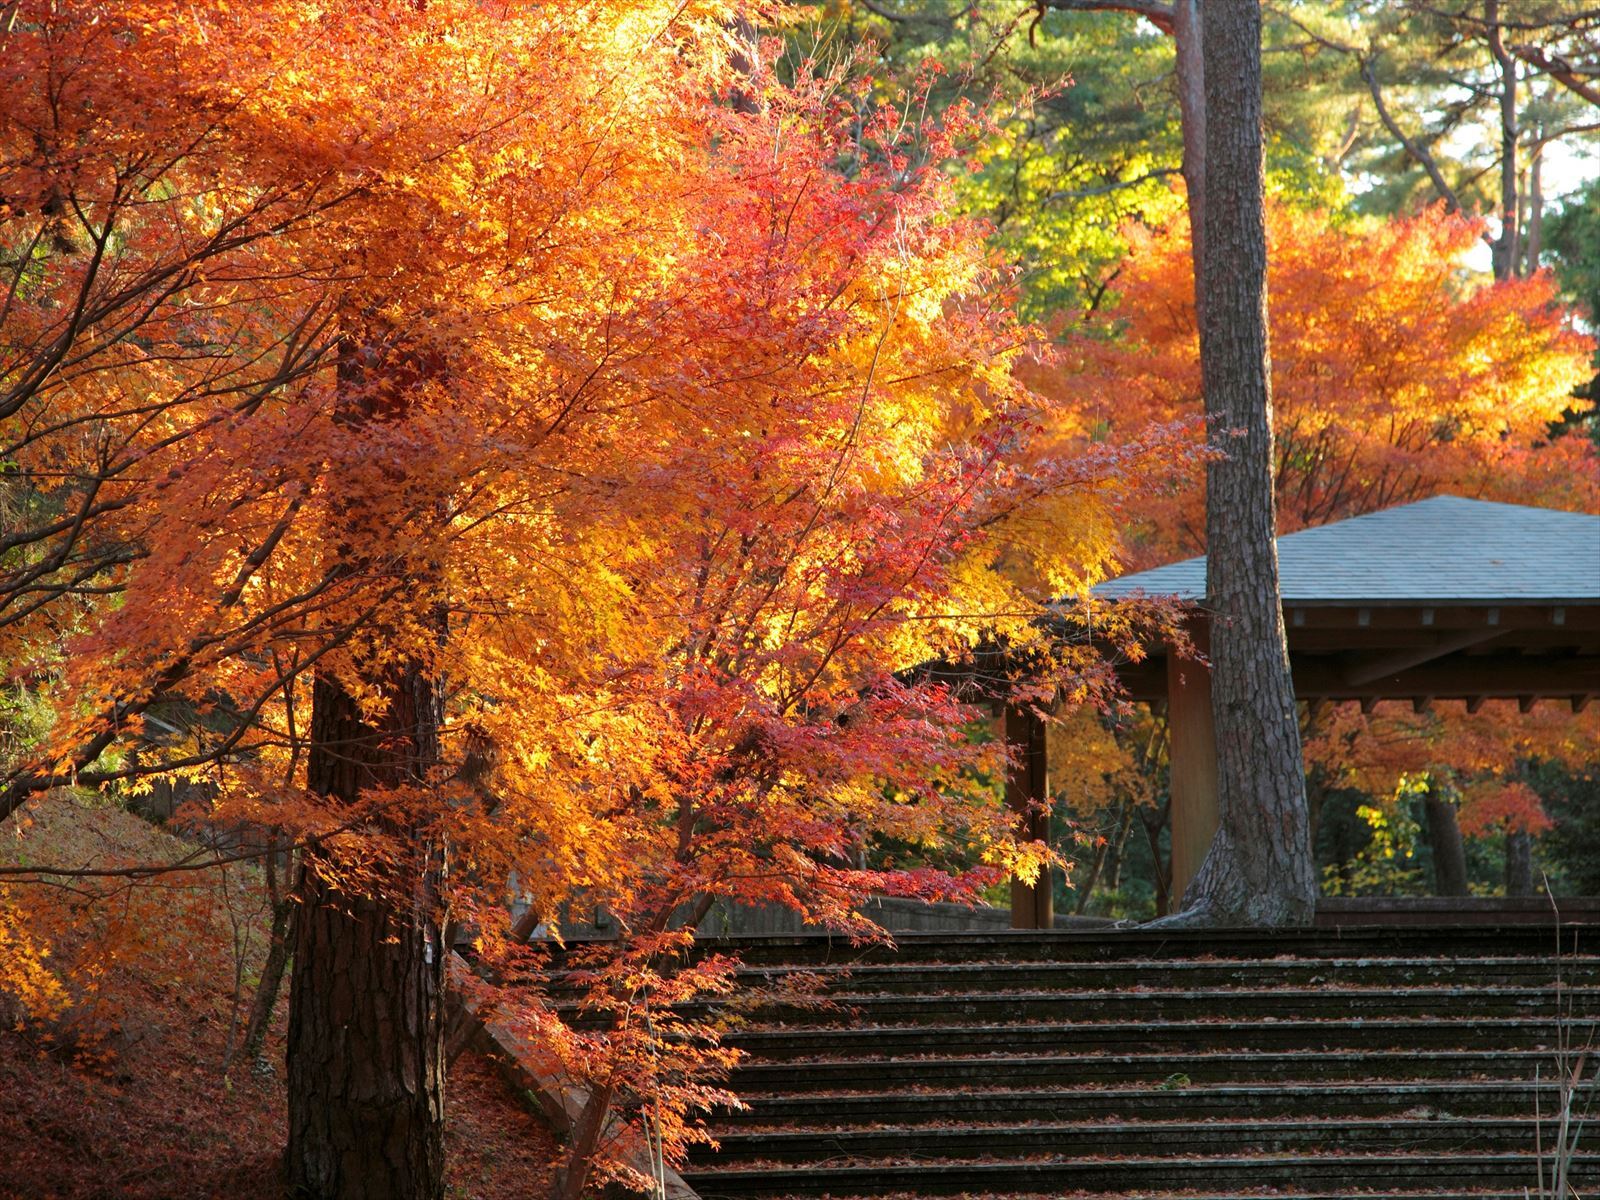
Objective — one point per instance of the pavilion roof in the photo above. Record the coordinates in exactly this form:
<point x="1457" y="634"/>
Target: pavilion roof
<point x="1447" y="550"/>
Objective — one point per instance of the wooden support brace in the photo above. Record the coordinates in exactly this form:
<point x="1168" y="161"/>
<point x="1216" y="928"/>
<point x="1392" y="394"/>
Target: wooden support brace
<point x="1193" y="756"/>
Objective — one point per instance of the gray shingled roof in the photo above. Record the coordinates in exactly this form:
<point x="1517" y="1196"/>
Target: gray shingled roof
<point x="1448" y="550"/>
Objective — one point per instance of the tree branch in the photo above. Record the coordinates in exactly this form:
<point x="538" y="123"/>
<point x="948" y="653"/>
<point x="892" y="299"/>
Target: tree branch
<point x="1158" y="14"/>
<point x="1114" y="186"/>
<point x="1559" y="69"/>
<point x="1413" y="148"/>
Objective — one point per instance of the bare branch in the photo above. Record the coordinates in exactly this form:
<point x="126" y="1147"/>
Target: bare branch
<point x="1412" y="147"/>
<point x="1158" y="14"/>
<point x="1561" y="70"/>
<point x="1114" y="186"/>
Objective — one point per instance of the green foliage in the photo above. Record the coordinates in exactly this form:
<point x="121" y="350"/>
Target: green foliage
<point x="1088" y="137"/>
<point x="1573" y="240"/>
<point x="1390" y="864"/>
<point x="1571" y="850"/>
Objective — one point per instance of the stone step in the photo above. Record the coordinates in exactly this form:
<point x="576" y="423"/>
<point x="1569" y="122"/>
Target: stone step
<point x="880" y="1042"/>
<point x="931" y="978"/>
<point x="1260" y="1194"/>
<point x="1156" y="1004"/>
<point x="1084" y="1140"/>
<point x="1232" y="1175"/>
<point x="1059" y="945"/>
<point x="1191" y="1102"/>
<point x="1212" y="1065"/>
<point x="946" y="1073"/>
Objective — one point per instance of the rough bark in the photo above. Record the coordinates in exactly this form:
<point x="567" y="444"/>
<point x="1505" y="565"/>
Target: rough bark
<point x="366" y="1005"/>
<point x="366" y="1052"/>
<point x="1444" y="838"/>
<point x="1259" y="870"/>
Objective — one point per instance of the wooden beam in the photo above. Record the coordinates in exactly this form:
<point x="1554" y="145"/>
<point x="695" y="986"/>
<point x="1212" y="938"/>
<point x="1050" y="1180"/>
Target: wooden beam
<point x="1502" y="673"/>
<point x="1192" y="758"/>
<point x="1507" y="615"/>
<point x="1370" y="669"/>
<point x="1028" y="796"/>
<point x="1457" y="677"/>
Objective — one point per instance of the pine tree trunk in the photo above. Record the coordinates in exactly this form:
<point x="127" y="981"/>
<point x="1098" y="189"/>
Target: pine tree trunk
<point x="1259" y="870"/>
<point x="366" y="1020"/>
<point x="1535" y="240"/>
<point x="1506" y="248"/>
<point x="1186" y="36"/>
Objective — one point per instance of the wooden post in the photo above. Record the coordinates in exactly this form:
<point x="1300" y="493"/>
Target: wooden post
<point x="1028" y="795"/>
<point x="1192" y="737"/>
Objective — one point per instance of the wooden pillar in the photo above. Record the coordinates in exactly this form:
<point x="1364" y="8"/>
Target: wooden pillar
<point x="1193" y="757"/>
<point x="1028" y="795"/>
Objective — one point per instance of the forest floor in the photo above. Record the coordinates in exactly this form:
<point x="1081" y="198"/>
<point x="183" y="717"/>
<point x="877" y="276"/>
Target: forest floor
<point x="122" y="1093"/>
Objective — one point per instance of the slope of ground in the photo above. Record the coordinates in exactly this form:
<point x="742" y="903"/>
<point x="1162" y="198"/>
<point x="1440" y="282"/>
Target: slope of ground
<point x="124" y="1094"/>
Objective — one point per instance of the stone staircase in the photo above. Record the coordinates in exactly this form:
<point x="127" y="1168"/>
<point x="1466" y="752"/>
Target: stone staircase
<point x="1351" y="1063"/>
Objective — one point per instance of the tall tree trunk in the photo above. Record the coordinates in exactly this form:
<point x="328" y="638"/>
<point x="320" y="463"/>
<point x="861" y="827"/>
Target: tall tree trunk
<point x="366" y="1050"/>
<point x="366" y="1057"/>
<point x="1191" y="75"/>
<point x="1506" y="249"/>
<point x="1085" y="888"/>
<point x="1444" y="838"/>
<point x="1160" y="865"/>
<point x="1259" y="870"/>
<point x="1519" y="863"/>
<point x="266" y="997"/>
<point x="1535" y="207"/>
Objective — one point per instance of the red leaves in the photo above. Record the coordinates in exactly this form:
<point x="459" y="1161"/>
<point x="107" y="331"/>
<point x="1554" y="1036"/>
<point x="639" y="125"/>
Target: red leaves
<point x="671" y="436"/>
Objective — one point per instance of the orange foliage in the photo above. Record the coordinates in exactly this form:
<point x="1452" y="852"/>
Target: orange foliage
<point x="1480" y="753"/>
<point x="1393" y="377"/>
<point x="667" y="432"/>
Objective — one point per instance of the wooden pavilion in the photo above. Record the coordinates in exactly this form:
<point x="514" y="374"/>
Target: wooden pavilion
<point x="1445" y="598"/>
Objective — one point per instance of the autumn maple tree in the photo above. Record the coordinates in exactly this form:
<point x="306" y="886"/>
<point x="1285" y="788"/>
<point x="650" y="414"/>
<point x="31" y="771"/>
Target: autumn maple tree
<point x="1394" y="377"/>
<point x="513" y="451"/>
<point x="1471" y="767"/>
